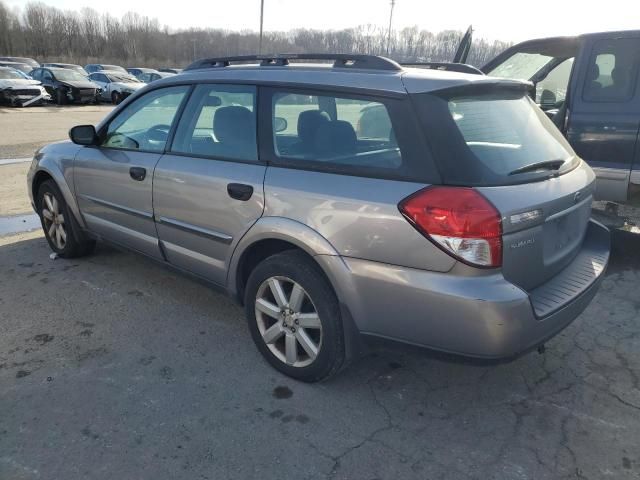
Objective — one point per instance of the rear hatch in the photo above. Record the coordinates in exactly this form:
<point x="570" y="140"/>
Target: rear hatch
<point x="493" y="138"/>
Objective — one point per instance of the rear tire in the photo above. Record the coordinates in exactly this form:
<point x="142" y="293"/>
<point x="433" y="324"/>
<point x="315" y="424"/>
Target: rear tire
<point x="299" y="331"/>
<point x="64" y="235"/>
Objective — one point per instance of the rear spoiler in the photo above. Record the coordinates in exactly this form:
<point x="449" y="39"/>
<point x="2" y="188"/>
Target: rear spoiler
<point x="487" y="85"/>
<point x="446" y="66"/>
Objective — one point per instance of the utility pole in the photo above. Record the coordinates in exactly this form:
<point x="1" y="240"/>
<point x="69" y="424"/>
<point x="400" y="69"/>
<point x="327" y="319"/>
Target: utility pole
<point x="261" y="21"/>
<point x="194" y="48"/>
<point x="393" y="4"/>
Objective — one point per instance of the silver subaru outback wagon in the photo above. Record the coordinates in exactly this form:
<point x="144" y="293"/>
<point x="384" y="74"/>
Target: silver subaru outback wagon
<point x="342" y="199"/>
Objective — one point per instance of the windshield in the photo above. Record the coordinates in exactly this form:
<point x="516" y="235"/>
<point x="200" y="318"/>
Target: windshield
<point x="6" y="74"/>
<point x="114" y="67"/>
<point x="521" y="66"/>
<point x="69" y="76"/>
<point x="119" y="77"/>
<point x="488" y="139"/>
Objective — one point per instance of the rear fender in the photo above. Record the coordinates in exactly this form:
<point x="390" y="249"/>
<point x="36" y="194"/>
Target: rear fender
<point x="277" y="228"/>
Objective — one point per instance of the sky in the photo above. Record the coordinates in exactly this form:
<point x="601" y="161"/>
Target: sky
<point x="491" y="19"/>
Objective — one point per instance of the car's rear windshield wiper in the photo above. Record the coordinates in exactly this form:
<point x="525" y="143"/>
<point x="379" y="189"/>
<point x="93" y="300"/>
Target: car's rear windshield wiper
<point x="546" y="165"/>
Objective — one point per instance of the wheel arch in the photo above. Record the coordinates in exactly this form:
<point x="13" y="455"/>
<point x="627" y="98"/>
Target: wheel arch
<point x="268" y="236"/>
<point x="49" y="170"/>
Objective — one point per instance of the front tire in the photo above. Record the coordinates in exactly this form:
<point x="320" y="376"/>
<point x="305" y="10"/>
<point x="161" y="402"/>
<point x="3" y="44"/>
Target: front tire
<point x="61" y="97"/>
<point x="294" y="317"/>
<point x="116" y="98"/>
<point x="60" y="228"/>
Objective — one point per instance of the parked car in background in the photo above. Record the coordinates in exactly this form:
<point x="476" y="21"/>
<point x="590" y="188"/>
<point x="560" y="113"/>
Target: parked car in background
<point x="28" y="61"/>
<point x="17" y="91"/>
<point x="462" y="227"/>
<point x="588" y="85"/>
<point x="23" y="67"/>
<point x="67" y="86"/>
<point x="96" y="67"/>
<point x="170" y="70"/>
<point x="70" y="66"/>
<point x="137" y="71"/>
<point x="26" y="76"/>
<point x="115" y="86"/>
<point x="153" y="76"/>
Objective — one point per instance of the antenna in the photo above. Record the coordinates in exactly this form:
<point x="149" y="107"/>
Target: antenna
<point x="261" y="22"/>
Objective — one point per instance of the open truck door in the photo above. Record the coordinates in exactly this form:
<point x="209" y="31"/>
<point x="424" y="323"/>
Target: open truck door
<point x="465" y="45"/>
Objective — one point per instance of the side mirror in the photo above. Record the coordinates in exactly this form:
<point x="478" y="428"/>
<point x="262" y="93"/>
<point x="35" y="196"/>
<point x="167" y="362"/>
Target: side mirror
<point x="84" y="135"/>
<point x="280" y="124"/>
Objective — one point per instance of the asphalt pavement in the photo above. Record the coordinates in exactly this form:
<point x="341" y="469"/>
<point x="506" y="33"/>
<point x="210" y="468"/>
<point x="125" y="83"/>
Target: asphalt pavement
<point x="114" y="367"/>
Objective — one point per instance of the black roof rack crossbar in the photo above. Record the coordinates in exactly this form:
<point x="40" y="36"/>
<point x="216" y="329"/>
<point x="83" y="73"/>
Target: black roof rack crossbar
<point x="341" y="60"/>
<point x="448" y="66"/>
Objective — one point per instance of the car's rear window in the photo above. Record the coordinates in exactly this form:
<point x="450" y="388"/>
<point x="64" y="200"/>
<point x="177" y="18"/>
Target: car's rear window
<point x="490" y="138"/>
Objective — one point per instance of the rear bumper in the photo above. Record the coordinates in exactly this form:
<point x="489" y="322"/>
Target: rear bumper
<point x="482" y="316"/>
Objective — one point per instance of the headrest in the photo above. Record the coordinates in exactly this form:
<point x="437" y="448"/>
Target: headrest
<point x="620" y="76"/>
<point x="335" y="138"/>
<point x="308" y="123"/>
<point x="234" y="124"/>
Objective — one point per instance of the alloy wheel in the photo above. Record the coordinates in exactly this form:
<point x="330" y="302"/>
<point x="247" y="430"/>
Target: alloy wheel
<point x="54" y="220"/>
<point x="288" y="321"/>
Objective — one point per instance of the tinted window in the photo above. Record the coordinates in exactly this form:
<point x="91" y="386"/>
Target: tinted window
<point x="612" y="72"/>
<point x="220" y="122"/>
<point x="36" y="74"/>
<point x="334" y="130"/>
<point x="46" y="75"/>
<point x="483" y="139"/>
<point x="145" y="124"/>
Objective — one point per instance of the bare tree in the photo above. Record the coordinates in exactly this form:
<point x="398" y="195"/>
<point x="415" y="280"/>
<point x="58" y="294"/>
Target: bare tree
<point x="48" y="33"/>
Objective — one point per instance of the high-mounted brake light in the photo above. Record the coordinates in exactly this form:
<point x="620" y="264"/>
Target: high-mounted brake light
<point x="460" y="221"/>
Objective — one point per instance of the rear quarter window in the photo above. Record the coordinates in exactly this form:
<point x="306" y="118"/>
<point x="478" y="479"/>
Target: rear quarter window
<point x="480" y="139"/>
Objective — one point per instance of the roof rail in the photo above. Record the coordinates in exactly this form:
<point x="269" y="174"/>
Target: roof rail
<point x="341" y="60"/>
<point x="447" y="66"/>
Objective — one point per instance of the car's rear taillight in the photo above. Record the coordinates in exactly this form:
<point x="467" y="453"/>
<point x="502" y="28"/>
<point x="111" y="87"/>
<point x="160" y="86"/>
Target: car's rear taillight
<point x="460" y="221"/>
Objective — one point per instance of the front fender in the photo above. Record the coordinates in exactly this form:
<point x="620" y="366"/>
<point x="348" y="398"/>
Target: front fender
<point x="56" y="160"/>
<point x="277" y="228"/>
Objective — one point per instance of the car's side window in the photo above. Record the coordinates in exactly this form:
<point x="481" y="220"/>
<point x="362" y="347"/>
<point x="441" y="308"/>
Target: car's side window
<point x="145" y="124"/>
<point x="334" y="130"/>
<point x="552" y="90"/>
<point x="36" y="74"/>
<point x="220" y="122"/>
<point x="46" y="75"/>
<point x="612" y="72"/>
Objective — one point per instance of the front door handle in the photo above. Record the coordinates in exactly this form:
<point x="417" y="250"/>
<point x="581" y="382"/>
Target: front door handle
<point x="240" y="191"/>
<point x="138" y="173"/>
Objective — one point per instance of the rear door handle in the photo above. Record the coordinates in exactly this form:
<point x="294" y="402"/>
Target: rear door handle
<point x="240" y="191"/>
<point x="138" y="173"/>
